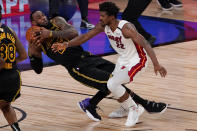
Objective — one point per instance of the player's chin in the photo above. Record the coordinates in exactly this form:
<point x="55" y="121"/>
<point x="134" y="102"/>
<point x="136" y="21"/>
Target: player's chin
<point x="43" y="24"/>
<point x="103" y="24"/>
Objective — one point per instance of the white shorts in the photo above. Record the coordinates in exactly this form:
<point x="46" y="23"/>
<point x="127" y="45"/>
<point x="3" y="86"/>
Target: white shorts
<point x="125" y="74"/>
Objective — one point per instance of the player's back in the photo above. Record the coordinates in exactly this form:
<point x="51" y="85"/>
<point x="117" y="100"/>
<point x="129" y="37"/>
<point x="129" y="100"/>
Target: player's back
<point x="8" y="47"/>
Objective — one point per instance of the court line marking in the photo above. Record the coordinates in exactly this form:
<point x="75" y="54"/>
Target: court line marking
<point x="24" y="115"/>
<point x="71" y="92"/>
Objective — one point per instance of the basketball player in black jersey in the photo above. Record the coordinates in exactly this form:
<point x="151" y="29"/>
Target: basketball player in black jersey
<point x="10" y="80"/>
<point x="88" y="69"/>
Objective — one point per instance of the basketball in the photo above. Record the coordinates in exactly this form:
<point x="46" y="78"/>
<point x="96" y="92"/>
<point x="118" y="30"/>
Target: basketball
<point x="31" y="32"/>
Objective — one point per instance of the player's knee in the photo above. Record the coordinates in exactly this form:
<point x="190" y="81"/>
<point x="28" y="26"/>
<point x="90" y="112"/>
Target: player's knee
<point x="111" y="85"/>
<point x="116" y="89"/>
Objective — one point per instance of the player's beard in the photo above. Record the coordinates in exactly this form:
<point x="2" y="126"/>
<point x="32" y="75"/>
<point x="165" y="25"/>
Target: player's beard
<point x="45" y="26"/>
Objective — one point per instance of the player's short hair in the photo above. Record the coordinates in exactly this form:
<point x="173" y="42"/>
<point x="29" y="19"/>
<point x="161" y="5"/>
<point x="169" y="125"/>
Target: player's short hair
<point x="31" y="15"/>
<point x="110" y="8"/>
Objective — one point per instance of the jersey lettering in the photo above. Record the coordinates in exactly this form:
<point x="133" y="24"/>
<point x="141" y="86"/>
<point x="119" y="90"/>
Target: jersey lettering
<point x="7" y="48"/>
<point x="117" y="40"/>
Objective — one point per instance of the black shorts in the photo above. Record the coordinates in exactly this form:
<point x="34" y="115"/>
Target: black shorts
<point x="93" y="71"/>
<point x="10" y="85"/>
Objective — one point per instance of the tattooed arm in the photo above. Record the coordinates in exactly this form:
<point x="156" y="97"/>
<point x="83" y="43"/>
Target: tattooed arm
<point x="66" y="31"/>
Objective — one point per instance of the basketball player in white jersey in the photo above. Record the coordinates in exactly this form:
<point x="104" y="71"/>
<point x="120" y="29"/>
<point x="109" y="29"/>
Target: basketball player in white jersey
<point x="132" y="49"/>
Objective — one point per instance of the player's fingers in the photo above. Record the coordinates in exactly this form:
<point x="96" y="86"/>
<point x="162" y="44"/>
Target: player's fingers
<point x="37" y="33"/>
<point x="54" y="48"/>
<point x="163" y="73"/>
<point x="155" y="72"/>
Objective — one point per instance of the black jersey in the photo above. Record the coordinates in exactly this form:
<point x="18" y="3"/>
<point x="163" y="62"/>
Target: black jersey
<point x="68" y="57"/>
<point x="8" y="47"/>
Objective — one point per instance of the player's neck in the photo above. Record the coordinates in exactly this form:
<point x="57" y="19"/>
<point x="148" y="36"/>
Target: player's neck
<point x="114" y="24"/>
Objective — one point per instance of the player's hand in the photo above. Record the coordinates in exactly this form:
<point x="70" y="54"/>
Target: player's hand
<point x="58" y="46"/>
<point x="42" y="34"/>
<point x="2" y="63"/>
<point x="36" y="41"/>
<point x="161" y="70"/>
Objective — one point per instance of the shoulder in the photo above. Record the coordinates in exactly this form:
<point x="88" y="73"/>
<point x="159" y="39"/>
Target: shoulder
<point x="128" y="29"/>
<point x="128" y="26"/>
<point x="9" y="28"/>
<point x="58" y="18"/>
<point x="12" y="31"/>
<point x="60" y="22"/>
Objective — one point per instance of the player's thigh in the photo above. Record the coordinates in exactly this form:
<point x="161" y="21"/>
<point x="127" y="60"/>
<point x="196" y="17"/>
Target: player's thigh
<point x="106" y="66"/>
<point x="91" y="76"/>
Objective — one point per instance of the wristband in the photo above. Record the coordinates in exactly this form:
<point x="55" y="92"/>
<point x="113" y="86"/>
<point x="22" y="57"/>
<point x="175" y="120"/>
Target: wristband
<point x="51" y="34"/>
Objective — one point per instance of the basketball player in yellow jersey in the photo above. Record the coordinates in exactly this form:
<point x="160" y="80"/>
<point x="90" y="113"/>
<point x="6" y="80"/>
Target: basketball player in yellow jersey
<point x="132" y="49"/>
<point x="9" y="75"/>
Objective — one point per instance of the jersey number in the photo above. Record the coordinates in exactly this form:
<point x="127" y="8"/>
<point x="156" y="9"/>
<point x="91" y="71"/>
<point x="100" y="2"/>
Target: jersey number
<point x="7" y="52"/>
<point x="120" y="45"/>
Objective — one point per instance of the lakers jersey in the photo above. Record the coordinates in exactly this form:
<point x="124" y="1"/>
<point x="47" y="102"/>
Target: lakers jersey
<point x="129" y="52"/>
<point x="8" y="47"/>
<point x="67" y="57"/>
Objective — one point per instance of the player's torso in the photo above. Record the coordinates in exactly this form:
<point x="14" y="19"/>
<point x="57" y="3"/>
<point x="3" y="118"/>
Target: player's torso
<point x="66" y="57"/>
<point x="8" y="47"/>
<point x="125" y="47"/>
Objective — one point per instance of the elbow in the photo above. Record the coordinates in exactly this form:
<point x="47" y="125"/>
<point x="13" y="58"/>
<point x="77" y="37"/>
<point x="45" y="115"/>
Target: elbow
<point x="21" y="57"/>
<point x="38" y="71"/>
<point x="36" y="64"/>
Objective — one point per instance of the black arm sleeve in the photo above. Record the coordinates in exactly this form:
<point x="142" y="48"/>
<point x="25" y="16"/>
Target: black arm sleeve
<point x="36" y="64"/>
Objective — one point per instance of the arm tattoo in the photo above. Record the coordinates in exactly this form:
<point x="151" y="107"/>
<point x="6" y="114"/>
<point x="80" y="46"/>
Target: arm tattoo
<point x="66" y="30"/>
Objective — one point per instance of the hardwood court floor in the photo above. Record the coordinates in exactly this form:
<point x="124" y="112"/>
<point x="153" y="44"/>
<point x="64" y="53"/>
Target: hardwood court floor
<point x="49" y="99"/>
<point x="188" y="12"/>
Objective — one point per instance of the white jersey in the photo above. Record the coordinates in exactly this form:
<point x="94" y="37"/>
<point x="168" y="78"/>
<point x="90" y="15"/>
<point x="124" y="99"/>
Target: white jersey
<point x="130" y="53"/>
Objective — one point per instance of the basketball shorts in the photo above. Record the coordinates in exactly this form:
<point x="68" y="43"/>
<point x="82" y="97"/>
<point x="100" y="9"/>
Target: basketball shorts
<point x="124" y="74"/>
<point x="10" y="85"/>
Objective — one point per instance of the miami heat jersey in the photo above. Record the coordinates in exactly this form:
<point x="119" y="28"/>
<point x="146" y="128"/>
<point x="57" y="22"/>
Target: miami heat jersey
<point x="129" y="51"/>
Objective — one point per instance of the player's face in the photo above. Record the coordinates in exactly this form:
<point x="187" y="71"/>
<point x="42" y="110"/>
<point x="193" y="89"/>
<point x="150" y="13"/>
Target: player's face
<point x="104" y="18"/>
<point x="40" y="19"/>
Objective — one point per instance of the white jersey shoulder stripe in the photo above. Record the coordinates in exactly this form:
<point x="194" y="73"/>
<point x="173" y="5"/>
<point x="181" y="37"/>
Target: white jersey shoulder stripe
<point x="122" y="23"/>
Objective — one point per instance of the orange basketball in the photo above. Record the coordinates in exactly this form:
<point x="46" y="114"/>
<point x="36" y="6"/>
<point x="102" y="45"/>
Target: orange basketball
<point x="31" y="32"/>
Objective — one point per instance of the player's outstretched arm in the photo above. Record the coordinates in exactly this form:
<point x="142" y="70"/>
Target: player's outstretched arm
<point x="78" y="40"/>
